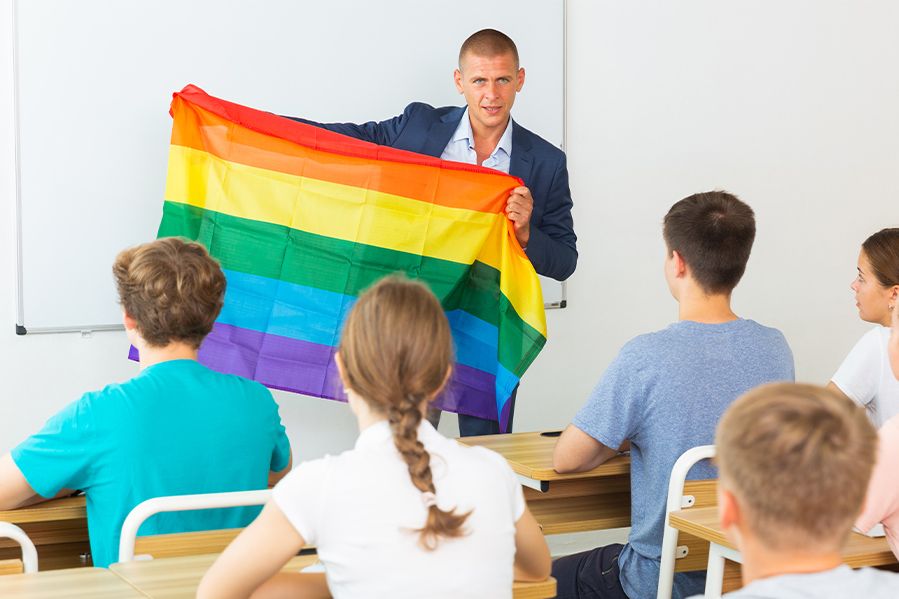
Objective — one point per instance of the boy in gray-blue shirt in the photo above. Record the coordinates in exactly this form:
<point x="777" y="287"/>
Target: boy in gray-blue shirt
<point x="665" y="392"/>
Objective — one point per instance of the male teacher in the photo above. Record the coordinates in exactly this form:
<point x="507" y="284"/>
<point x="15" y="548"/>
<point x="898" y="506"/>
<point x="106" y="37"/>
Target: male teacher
<point x="484" y="133"/>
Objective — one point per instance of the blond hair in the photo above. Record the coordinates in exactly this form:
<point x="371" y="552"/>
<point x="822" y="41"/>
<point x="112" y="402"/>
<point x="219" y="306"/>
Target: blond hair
<point x="172" y="288"/>
<point x="797" y="458"/>
<point x="397" y="351"/>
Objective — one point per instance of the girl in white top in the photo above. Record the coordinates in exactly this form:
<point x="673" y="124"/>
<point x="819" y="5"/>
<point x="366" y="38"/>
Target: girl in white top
<point x="865" y="376"/>
<point x="407" y="512"/>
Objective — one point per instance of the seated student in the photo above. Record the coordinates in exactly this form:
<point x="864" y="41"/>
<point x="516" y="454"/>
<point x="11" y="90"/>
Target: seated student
<point x="865" y="375"/>
<point x="665" y="391"/>
<point x="176" y="428"/>
<point x="794" y="461"/>
<point x="407" y="512"/>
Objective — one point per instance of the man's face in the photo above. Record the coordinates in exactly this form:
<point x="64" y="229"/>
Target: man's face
<point x="489" y="85"/>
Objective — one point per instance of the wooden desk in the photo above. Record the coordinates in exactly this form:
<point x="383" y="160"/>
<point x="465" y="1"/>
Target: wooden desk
<point x="859" y="550"/>
<point x="592" y="500"/>
<point x="58" y="528"/>
<point x="89" y="583"/>
<point x="178" y="577"/>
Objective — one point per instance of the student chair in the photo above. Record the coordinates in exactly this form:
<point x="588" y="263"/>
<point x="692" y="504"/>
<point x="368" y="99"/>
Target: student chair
<point x="29" y="553"/>
<point x="683" y="494"/>
<point x="172" y="545"/>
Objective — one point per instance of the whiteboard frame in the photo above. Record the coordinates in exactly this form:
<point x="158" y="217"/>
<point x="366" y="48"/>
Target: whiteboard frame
<point x="87" y="328"/>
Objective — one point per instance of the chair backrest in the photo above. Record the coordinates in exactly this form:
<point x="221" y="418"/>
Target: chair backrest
<point x="683" y="495"/>
<point x="29" y="553"/>
<point x="180" y="503"/>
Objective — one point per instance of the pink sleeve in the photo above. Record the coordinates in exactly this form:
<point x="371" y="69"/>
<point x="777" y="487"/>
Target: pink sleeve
<point x="882" y="501"/>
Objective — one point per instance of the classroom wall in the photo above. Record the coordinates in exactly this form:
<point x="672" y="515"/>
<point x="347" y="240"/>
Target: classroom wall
<point x="790" y="105"/>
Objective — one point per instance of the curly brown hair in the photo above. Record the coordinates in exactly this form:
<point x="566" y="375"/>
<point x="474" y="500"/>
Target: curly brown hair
<point x="397" y="352"/>
<point x="172" y="288"/>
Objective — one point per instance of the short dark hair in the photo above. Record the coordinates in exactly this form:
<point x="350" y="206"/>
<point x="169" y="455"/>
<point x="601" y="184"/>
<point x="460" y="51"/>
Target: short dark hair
<point x="172" y="288"/>
<point x="713" y="232"/>
<point x="490" y="43"/>
<point x="882" y="250"/>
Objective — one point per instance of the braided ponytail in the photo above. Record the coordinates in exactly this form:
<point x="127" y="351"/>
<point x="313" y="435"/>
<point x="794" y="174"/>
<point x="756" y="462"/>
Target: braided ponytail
<point x="396" y="351"/>
<point x="404" y="421"/>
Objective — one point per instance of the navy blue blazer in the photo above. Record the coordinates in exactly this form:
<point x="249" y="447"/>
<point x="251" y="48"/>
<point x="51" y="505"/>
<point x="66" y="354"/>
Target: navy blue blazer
<point x="421" y="128"/>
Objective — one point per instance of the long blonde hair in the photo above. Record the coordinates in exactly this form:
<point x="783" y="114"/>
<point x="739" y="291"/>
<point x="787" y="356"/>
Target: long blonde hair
<point x="397" y="351"/>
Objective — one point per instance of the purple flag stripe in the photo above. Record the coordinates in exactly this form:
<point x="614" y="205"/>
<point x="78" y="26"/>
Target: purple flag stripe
<point x="309" y="368"/>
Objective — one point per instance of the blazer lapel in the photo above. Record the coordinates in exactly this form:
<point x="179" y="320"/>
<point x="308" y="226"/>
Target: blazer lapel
<point x="520" y="161"/>
<point x="440" y="133"/>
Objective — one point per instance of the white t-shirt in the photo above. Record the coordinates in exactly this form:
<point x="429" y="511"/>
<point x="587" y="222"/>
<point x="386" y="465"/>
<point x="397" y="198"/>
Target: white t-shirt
<point x="866" y="377"/>
<point x="361" y="510"/>
<point x="841" y="582"/>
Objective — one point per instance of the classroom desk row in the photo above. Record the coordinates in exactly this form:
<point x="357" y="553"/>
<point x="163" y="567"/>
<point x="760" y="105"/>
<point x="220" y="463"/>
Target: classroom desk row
<point x="169" y="578"/>
<point x="594" y="500"/>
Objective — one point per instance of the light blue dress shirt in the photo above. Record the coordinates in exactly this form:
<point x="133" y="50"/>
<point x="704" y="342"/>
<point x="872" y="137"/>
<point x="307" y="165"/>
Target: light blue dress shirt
<point x="461" y="147"/>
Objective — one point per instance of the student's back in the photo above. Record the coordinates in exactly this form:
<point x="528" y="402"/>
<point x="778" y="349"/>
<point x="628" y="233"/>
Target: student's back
<point x="407" y="512"/>
<point x="665" y="393"/>
<point x="361" y="510"/>
<point x="177" y="428"/>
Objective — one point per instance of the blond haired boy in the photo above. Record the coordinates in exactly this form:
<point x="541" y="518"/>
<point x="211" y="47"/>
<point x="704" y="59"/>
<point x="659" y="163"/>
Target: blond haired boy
<point x="794" y="461"/>
<point x="176" y="428"/>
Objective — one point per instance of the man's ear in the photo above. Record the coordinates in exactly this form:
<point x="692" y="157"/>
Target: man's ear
<point x="457" y="77"/>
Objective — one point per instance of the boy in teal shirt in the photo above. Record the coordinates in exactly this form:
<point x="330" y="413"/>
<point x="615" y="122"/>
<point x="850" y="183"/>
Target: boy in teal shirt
<point x="176" y="428"/>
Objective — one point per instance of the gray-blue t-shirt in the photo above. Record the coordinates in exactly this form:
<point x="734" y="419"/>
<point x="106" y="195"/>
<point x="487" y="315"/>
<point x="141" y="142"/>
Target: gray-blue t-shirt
<point x="665" y="392"/>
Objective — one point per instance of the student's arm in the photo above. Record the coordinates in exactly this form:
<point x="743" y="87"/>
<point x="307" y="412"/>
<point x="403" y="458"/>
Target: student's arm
<point x="14" y="489"/>
<point x="254" y="557"/>
<point x="15" y="492"/>
<point x="576" y="451"/>
<point x="532" y="559"/>
<point x="274" y="476"/>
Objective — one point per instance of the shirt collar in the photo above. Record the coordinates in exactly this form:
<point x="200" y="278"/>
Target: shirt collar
<point x="464" y="133"/>
<point x="379" y="432"/>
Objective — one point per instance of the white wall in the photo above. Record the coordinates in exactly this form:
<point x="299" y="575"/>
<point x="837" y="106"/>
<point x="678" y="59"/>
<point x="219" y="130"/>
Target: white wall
<point x="790" y="105"/>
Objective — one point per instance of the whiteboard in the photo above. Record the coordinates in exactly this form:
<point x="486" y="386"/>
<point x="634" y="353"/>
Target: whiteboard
<point x="94" y="78"/>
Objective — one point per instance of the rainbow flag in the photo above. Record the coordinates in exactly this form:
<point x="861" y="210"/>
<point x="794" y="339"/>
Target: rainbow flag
<point x="303" y="220"/>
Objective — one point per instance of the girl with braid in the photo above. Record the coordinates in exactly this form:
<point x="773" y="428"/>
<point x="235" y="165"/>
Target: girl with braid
<point x="406" y="512"/>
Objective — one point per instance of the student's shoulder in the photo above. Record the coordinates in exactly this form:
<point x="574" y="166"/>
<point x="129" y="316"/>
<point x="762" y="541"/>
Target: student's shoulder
<point x="760" y="328"/>
<point x="646" y="344"/>
<point x="234" y="384"/>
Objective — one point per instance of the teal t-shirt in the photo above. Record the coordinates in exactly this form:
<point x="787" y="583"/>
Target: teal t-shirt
<point x="177" y="428"/>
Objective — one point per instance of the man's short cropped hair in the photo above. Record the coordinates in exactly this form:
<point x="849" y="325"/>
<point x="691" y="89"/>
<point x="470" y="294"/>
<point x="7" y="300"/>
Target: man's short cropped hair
<point x="488" y="43"/>
<point x="797" y="458"/>
<point x="713" y="232"/>
<point x="172" y="288"/>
